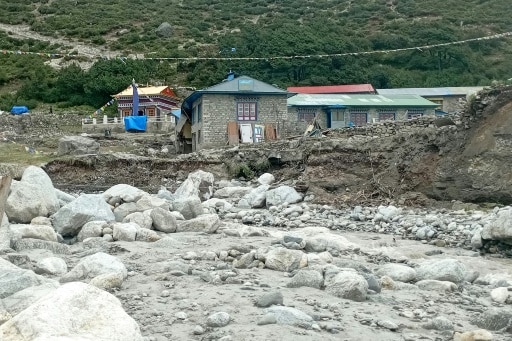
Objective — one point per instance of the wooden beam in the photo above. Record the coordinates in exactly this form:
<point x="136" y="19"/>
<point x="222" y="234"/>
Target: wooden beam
<point x="5" y="185"/>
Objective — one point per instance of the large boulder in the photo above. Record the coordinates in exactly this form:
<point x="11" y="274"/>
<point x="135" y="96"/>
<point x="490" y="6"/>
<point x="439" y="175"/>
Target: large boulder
<point x="143" y="219"/>
<point x="281" y="195"/>
<point x="232" y="192"/>
<point x="198" y="183"/>
<point x="307" y="278"/>
<point x="163" y="220"/>
<point x="164" y="30"/>
<point x="257" y="197"/>
<point x="397" y="272"/>
<point x="347" y="284"/>
<point x="77" y="145"/>
<point x="31" y="197"/>
<point x="94" y="265"/>
<point x="92" y="229"/>
<point x="43" y="232"/>
<point x="500" y="228"/>
<point x="74" y="311"/>
<point x="122" y="193"/>
<point x="286" y="260"/>
<point x="88" y="207"/>
<point x="189" y="207"/>
<point x="448" y="269"/>
<point x="290" y="316"/>
<point x="208" y="223"/>
<point x="125" y="231"/>
<point x="14" y="279"/>
<point x="266" y="179"/>
<point x="22" y="299"/>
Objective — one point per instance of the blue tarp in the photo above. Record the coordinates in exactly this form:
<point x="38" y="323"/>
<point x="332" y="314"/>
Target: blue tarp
<point x="135" y="123"/>
<point x="176" y="113"/>
<point x="19" y="109"/>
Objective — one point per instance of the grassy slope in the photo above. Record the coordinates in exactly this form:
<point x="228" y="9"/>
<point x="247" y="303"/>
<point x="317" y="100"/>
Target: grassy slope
<point x="287" y="27"/>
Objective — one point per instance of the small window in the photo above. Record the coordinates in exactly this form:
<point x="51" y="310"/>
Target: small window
<point x="199" y="112"/>
<point x="414" y="113"/>
<point x="306" y="115"/>
<point x="337" y="116"/>
<point x="151" y="111"/>
<point x="246" y="111"/>
<point x="387" y="114"/>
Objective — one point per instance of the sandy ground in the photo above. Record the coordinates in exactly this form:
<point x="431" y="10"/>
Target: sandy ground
<point x="153" y="295"/>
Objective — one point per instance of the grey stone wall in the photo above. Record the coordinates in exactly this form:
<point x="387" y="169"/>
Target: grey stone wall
<point x="219" y="109"/>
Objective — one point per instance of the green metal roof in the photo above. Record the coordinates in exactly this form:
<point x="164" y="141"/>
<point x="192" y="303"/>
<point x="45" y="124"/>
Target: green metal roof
<point x="432" y="92"/>
<point x="337" y="100"/>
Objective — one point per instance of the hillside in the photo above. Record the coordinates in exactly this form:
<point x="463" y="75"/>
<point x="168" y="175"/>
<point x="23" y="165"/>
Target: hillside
<point x="95" y="31"/>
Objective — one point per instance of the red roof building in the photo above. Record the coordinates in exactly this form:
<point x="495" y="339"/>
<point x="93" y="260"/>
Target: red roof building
<point x="153" y="101"/>
<point x="334" y="89"/>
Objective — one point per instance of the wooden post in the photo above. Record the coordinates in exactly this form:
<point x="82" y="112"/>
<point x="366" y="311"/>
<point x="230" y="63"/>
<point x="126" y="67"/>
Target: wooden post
<point x="5" y="185"/>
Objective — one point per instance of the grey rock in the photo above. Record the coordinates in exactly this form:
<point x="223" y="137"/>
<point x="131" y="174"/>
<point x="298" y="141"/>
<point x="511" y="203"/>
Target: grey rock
<point x="494" y="319"/>
<point x="281" y="259"/>
<point x="439" y="323"/>
<point x="347" y="284"/>
<point x="501" y="227"/>
<point x="208" y="223"/>
<point x="142" y="219"/>
<point x="125" y="209"/>
<point x="122" y="193"/>
<point x="32" y="244"/>
<point x="306" y="278"/>
<point x="163" y="220"/>
<point x="32" y="196"/>
<point x="232" y="192"/>
<point x="269" y="318"/>
<point x="219" y="319"/>
<point x="257" y="197"/>
<point x="77" y="145"/>
<point x="198" y="184"/>
<point x="281" y="195"/>
<point x="51" y="266"/>
<point x="434" y="285"/>
<point x="95" y="265"/>
<point x="43" y="232"/>
<point x="22" y="299"/>
<point x="268" y="299"/>
<point x="125" y="231"/>
<point x="91" y="229"/>
<point x="450" y="270"/>
<point x="73" y="311"/>
<point x="397" y="272"/>
<point x="189" y="207"/>
<point x="88" y="207"/>
<point x="164" y="30"/>
<point x="266" y="179"/>
<point x="14" y="279"/>
<point x="290" y="316"/>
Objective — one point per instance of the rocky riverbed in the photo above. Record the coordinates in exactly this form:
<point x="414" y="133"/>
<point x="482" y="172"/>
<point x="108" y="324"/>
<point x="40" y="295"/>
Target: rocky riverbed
<point x="247" y="260"/>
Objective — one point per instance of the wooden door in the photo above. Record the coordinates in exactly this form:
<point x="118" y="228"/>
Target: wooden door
<point x="246" y="133"/>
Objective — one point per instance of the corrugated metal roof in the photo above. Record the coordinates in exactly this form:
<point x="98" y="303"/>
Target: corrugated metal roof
<point x="328" y="100"/>
<point x="244" y="84"/>
<point x="431" y="92"/>
<point x="333" y="89"/>
<point x="143" y="91"/>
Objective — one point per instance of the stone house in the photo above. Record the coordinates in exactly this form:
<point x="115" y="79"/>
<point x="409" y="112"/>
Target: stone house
<point x="237" y="110"/>
<point x="338" y="111"/>
<point x="448" y="99"/>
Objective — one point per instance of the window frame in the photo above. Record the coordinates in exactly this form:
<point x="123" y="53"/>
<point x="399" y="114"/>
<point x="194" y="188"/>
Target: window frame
<point x="252" y="110"/>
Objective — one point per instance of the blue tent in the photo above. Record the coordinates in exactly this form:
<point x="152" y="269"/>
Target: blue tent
<point x="19" y="110"/>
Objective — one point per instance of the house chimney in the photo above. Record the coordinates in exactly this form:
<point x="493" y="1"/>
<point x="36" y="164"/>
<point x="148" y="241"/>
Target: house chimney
<point x="231" y="75"/>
